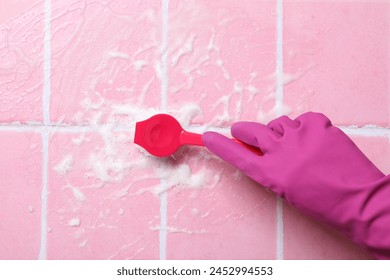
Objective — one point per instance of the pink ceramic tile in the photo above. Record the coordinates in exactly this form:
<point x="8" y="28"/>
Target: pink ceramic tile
<point x="377" y="149"/>
<point x="107" y="67"/>
<point x="307" y="239"/>
<point x="221" y="57"/>
<point x="337" y="59"/>
<point x="21" y="60"/>
<point x="105" y="59"/>
<point x="216" y="212"/>
<point x="20" y="187"/>
<point x="101" y="202"/>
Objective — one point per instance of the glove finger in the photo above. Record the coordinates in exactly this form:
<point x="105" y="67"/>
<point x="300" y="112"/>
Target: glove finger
<point x="279" y="125"/>
<point x="255" y="134"/>
<point x="317" y="119"/>
<point x="228" y="150"/>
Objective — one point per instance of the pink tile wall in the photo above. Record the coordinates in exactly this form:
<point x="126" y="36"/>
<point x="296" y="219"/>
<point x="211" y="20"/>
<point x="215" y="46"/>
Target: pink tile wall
<point x="21" y="60"/>
<point x="222" y="58"/>
<point x="210" y="63"/>
<point x="229" y="217"/>
<point x="105" y="60"/>
<point x="97" y="199"/>
<point x="20" y="187"/>
<point x="336" y="60"/>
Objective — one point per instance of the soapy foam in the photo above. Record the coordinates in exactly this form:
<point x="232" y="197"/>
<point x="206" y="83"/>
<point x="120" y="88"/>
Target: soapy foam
<point x="180" y="176"/>
<point x="185" y="49"/>
<point x="83" y="243"/>
<point x="121" y="212"/>
<point x="117" y="158"/>
<point x="180" y="230"/>
<point x="110" y="164"/>
<point x="63" y="167"/>
<point x="77" y="194"/>
<point x="75" y="222"/>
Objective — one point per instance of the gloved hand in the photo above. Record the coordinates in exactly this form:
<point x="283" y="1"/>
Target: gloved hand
<point x="319" y="170"/>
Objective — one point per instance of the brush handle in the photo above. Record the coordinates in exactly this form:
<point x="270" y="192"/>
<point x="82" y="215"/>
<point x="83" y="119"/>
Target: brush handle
<point x="190" y="138"/>
<point x="195" y="139"/>
<point x="253" y="149"/>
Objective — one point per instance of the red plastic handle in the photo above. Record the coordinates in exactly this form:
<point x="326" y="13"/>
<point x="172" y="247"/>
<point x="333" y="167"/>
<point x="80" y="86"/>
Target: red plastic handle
<point x="253" y="149"/>
<point x="190" y="138"/>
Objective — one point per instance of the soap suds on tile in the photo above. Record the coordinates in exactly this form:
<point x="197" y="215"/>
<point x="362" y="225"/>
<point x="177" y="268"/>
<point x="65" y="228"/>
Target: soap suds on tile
<point x="180" y="176"/>
<point x="180" y="230"/>
<point x="63" y="167"/>
<point x="83" y="243"/>
<point x="121" y="212"/>
<point x="195" y="211"/>
<point x="75" y="222"/>
<point x="77" y="194"/>
<point x="115" y="158"/>
<point x="225" y="72"/>
<point x="185" y="49"/>
<point x="111" y="163"/>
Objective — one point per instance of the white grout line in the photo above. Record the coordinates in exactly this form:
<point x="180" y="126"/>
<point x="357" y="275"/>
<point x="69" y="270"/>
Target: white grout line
<point x="47" y="65"/>
<point x="163" y="222"/>
<point x="368" y="131"/>
<point x="164" y="98"/>
<point x="279" y="111"/>
<point x="44" y="130"/>
<point x="279" y="59"/>
<point x="164" y="56"/>
<point x="45" y="162"/>
<point x="27" y="128"/>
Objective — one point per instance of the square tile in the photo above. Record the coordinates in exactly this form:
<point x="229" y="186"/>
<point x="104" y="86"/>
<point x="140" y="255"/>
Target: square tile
<point x="101" y="203"/>
<point x="105" y="60"/>
<point x="215" y="212"/>
<point x="377" y="149"/>
<point x="306" y="239"/>
<point x="337" y="60"/>
<point x="20" y="187"/>
<point x="221" y="69"/>
<point x="21" y="59"/>
<point x="221" y="57"/>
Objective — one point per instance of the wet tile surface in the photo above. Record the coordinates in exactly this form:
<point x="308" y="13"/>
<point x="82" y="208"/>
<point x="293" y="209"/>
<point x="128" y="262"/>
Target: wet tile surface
<point x="337" y="61"/>
<point x="20" y="187"/>
<point x="223" y="59"/>
<point x="221" y="68"/>
<point x="21" y="60"/>
<point x="106" y="60"/>
<point x="220" y="215"/>
<point x="209" y="63"/>
<point x="100" y="199"/>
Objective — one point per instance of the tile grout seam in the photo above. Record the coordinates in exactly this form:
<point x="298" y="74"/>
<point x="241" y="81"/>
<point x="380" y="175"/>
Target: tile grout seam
<point x="44" y="130"/>
<point x="45" y="159"/>
<point x="164" y="98"/>
<point x="368" y="131"/>
<point x="279" y="111"/>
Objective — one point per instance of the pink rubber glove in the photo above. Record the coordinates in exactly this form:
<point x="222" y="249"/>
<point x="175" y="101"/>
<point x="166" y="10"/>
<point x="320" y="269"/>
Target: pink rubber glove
<point x="317" y="169"/>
